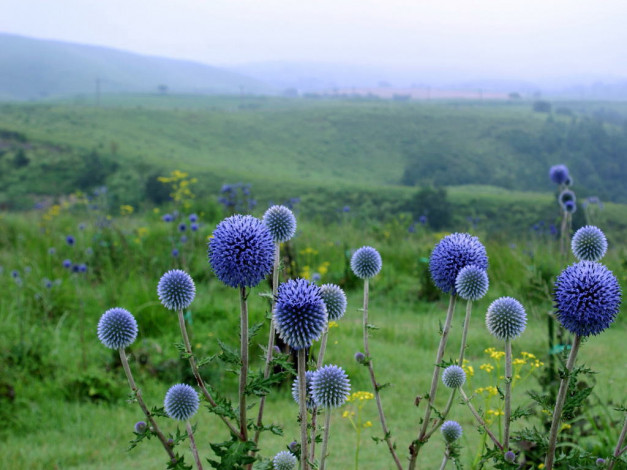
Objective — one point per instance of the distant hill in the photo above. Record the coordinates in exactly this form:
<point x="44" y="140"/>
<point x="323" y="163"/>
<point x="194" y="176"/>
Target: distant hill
<point x="35" y="69"/>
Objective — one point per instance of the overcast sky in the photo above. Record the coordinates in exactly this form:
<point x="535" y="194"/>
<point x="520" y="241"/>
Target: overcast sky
<point x="513" y="38"/>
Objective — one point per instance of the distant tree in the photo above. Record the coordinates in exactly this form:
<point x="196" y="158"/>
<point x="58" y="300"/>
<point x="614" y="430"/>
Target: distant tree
<point x="434" y="203"/>
<point x="155" y="190"/>
<point x="541" y="106"/>
<point x="163" y="89"/>
<point x="20" y="160"/>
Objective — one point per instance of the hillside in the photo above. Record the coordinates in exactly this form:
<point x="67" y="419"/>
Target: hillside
<point x="35" y="69"/>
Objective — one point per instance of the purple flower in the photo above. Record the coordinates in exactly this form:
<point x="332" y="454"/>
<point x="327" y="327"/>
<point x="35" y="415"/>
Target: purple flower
<point x="182" y="227"/>
<point x="181" y="402"/>
<point x="193" y="218"/>
<point x="176" y="290"/>
<point x="70" y="240"/>
<point x="280" y="222"/>
<point x="67" y="264"/>
<point x="167" y="218"/>
<point x="175" y="253"/>
<point x="117" y="328"/>
<point x="194" y="227"/>
<point x="330" y="387"/>
<point x="558" y="174"/>
<point x="366" y="262"/>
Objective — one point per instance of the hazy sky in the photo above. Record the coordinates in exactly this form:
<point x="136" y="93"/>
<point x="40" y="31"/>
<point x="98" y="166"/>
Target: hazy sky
<point x="517" y="38"/>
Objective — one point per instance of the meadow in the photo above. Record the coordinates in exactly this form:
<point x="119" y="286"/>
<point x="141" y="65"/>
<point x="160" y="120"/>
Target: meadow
<point x="63" y="396"/>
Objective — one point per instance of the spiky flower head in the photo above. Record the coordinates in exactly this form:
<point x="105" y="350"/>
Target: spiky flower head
<point x="570" y="207"/>
<point x="509" y="456"/>
<point x="330" y="386"/>
<point x="453" y="376"/>
<point x="70" y="240"/>
<point x="453" y="253"/>
<point x="117" y="328"/>
<point x="140" y="427"/>
<point x="360" y="357"/>
<point x="241" y="251"/>
<point x="471" y="283"/>
<point x="565" y="196"/>
<point x="181" y="402"/>
<point x="589" y="243"/>
<point x="300" y="314"/>
<point x="281" y="223"/>
<point x="600" y="462"/>
<point x="335" y="300"/>
<point x="451" y="431"/>
<point x="309" y="402"/>
<point x="506" y="318"/>
<point x="67" y="264"/>
<point x="176" y="290"/>
<point x="558" y="174"/>
<point x="284" y="460"/>
<point x="587" y="298"/>
<point x="366" y="262"/>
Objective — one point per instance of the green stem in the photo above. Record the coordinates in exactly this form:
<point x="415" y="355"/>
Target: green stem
<point x="619" y="450"/>
<point x="479" y="419"/>
<point x="243" y="376"/>
<point x="192" y="445"/>
<point x="508" y="391"/>
<point x="142" y="405"/>
<point x="559" y="404"/>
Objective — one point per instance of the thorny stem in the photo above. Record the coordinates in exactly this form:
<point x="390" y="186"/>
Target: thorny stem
<point x="243" y="376"/>
<point x="142" y="405"/>
<point x="559" y="404"/>
<point x="302" y="400"/>
<point x="192" y="445"/>
<point x="325" y="441"/>
<point x="480" y="419"/>
<point x="508" y="391"/>
<point x="269" y="351"/>
<point x="618" y="450"/>
<point x="375" y="386"/>
<point x="434" y="383"/>
<point x="195" y="371"/>
<point x="314" y="413"/>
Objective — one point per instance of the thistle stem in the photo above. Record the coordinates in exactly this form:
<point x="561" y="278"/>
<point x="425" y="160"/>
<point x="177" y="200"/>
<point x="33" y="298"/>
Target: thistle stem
<point x="269" y="351"/>
<point x="192" y="445"/>
<point x="375" y="386"/>
<point x="243" y="376"/>
<point x="314" y="412"/>
<point x="619" y="449"/>
<point x="142" y="405"/>
<point x="439" y="422"/>
<point x="462" y="349"/>
<point x="445" y="460"/>
<point x="434" y="384"/>
<point x="559" y="404"/>
<point x="508" y="391"/>
<point x="302" y="400"/>
<point x="480" y="419"/>
<point x="196" y="372"/>
<point x="325" y="440"/>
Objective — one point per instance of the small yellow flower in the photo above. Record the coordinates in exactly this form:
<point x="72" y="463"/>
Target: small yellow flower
<point x="541" y="466"/>
<point x="333" y="324"/>
<point x="345" y="414"/>
<point x="519" y="362"/>
<point x="486" y="367"/>
<point x="125" y="209"/>
<point x="368" y="424"/>
<point x="497" y="354"/>
<point x="565" y="426"/>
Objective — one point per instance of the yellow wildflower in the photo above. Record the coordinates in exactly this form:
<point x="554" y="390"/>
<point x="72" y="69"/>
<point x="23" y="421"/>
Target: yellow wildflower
<point x="333" y="324"/>
<point x="486" y="367"/>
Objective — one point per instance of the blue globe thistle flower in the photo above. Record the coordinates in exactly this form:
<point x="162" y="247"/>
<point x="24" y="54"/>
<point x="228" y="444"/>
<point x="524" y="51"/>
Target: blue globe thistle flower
<point x="76" y="268"/>
<point x="558" y="174"/>
<point x="509" y="456"/>
<point x="176" y="290"/>
<point x="48" y="283"/>
<point x="280" y="222"/>
<point x="117" y="328"/>
<point x="140" y="427"/>
<point x="82" y="226"/>
<point x="182" y="227"/>
<point x="422" y="220"/>
<point x="506" y="318"/>
<point x="471" y="283"/>
<point x="587" y="298"/>
<point x="52" y="251"/>
<point x="335" y="300"/>
<point x="309" y="402"/>
<point x="70" y="240"/>
<point x="82" y="268"/>
<point x="175" y="253"/>
<point x="565" y="196"/>
<point x="300" y="314"/>
<point x="294" y="446"/>
<point x="15" y="274"/>
<point x="366" y="262"/>
<point x="193" y="218"/>
<point x="570" y="207"/>
<point x="451" y="431"/>
<point x="167" y="218"/>
<point x="453" y="376"/>
<point x="181" y="402"/>
<point x="284" y="460"/>
<point x="194" y="227"/>
<point x="600" y="462"/>
<point x="241" y="251"/>
<point x="330" y="387"/>
<point x="453" y="253"/>
<point x="67" y="264"/>
<point x="360" y="357"/>
<point x="183" y="239"/>
<point x="589" y="243"/>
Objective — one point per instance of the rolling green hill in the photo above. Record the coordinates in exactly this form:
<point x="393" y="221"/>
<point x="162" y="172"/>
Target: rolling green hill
<point x="35" y="69"/>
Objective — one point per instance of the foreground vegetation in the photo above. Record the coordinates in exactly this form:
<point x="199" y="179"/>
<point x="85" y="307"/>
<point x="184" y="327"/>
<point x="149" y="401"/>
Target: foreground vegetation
<point x="64" y="395"/>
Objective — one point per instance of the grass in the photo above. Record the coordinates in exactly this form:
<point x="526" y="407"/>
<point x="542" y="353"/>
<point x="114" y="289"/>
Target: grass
<point x="68" y="415"/>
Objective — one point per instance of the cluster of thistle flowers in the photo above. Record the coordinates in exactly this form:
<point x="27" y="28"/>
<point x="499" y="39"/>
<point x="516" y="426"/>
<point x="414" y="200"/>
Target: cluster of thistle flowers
<point x="237" y="197"/>
<point x="183" y="227"/>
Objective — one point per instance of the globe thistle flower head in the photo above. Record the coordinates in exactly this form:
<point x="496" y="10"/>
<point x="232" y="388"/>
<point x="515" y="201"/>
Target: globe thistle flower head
<point x="570" y="207"/>
<point x="167" y="218"/>
<point x="193" y="218"/>
<point x="600" y="462"/>
<point x="330" y="387"/>
<point x="300" y="314"/>
<point x="558" y="174"/>
<point x="241" y="251"/>
<point x="117" y="328"/>
<point x="453" y="253"/>
<point x="309" y="402"/>
<point x="366" y="262"/>
<point x="15" y="274"/>
<point x="176" y="290"/>
<point x="70" y="240"/>
<point x="453" y="376"/>
<point x="589" y="243"/>
<point x="194" y="227"/>
<point x="569" y="181"/>
<point x="67" y="264"/>
<point x="52" y="250"/>
<point x="506" y="318"/>
<point x="565" y="196"/>
<point x="174" y="253"/>
<point x="471" y="283"/>
<point x="509" y="456"/>
<point x="181" y="402"/>
<point x="280" y="222"/>
<point x="360" y="357"/>
<point x="82" y="268"/>
<point x="284" y="460"/>
<point x="451" y="431"/>
<point x="335" y="300"/>
<point x="587" y="298"/>
<point x="140" y="427"/>
<point x="182" y="227"/>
